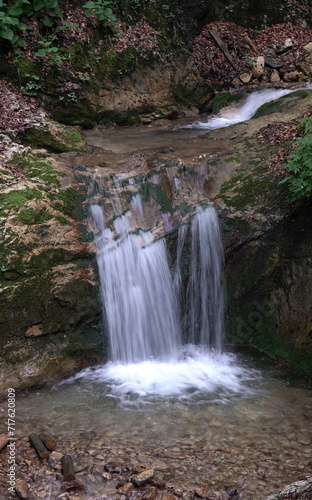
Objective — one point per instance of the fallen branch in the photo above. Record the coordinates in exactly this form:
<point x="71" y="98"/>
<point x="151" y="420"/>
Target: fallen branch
<point x="68" y="468"/>
<point x="39" y="446"/>
<point x="223" y="47"/>
<point x="48" y="441"/>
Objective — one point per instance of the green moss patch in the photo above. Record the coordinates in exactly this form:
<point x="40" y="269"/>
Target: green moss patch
<point x="154" y="191"/>
<point x="59" y="139"/>
<point x="38" y="169"/>
<point x="284" y="103"/>
<point x="16" y="199"/>
<point x="222" y="99"/>
<point x="68" y="201"/>
<point x="234" y="158"/>
<point x="253" y="189"/>
<point x="30" y="216"/>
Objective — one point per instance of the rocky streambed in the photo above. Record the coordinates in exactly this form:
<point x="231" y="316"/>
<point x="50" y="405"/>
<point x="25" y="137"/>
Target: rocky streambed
<point x="221" y="446"/>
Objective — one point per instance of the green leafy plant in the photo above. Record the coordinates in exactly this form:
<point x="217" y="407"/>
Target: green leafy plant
<point x="299" y="165"/>
<point x="72" y="96"/>
<point x="65" y="25"/>
<point x="230" y="8"/>
<point x="101" y="9"/>
<point x="32" y="86"/>
<point x="10" y="23"/>
<point x="12" y="13"/>
<point x="46" y="48"/>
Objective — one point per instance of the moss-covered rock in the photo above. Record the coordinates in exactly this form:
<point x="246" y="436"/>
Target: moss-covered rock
<point x="50" y="304"/>
<point x="282" y="104"/>
<point x="55" y="138"/>
<point x="269" y="285"/>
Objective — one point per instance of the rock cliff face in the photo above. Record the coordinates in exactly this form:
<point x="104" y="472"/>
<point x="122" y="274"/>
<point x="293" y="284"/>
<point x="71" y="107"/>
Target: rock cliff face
<point x="268" y="248"/>
<point x="48" y="277"/>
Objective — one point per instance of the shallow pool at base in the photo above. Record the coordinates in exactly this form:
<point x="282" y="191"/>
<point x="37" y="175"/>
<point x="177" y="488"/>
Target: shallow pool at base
<point x="258" y="439"/>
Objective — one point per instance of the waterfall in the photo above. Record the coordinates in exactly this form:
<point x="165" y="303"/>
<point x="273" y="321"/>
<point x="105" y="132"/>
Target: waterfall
<point x="137" y="291"/>
<point x="205" y="290"/>
<point x="142" y="305"/>
<point x="177" y="282"/>
<point x="243" y="112"/>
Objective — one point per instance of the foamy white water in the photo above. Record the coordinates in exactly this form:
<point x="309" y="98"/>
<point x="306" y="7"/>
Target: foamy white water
<point x="246" y="111"/>
<point x="196" y="373"/>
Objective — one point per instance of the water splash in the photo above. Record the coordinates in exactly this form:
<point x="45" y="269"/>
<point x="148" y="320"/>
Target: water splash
<point x="196" y="375"/>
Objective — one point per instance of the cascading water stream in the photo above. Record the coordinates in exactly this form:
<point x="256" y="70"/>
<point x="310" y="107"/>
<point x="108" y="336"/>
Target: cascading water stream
<point x="143" y="310"/>
<point x="205" y="290"/>
<point x="192" y="412"/>
<point x="244" y="112"/>
<point x="139" y="303"/>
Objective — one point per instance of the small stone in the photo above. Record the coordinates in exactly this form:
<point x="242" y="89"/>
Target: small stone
<point x="34" y="331"/>
<point x="140" y="468"/>
<point x="236" y="82"/>
<point x="245" y="77"/>
<point x="286" y="46"/>
<point x="4" y="439"/>
<point x="201" y="492"/>
<point x="308" y="48"/>
<point x="21" y="489"/>
<point x="271" y="63"/>
<point x="215" y="423"/>
<point x="260" y="61"/>
<point x="274" y="78"/>
<point x="159" y="483"/>
<point x="293" y="76"/>
<point x="167" y="495"/>
<point x="55" y="456"/>
<point x="257" y="70"/>
<point x="143" y="477"/>
<point x="113" y="468"/>
<point x="125" y="488"/>
<point x="107" y="475"/>
<point x="149" y="493"/>
<point x="306" y="69"/>
<point x="159" y="464"/>
<point x="41" y="494"/>
<point x="73" y="485"/>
